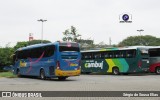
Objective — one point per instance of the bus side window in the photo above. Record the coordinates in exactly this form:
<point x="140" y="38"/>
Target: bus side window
<point x="90" y="56"/>
<point x="83" y="56"/>
<point x="103" y="55"/>
<point x="97" y="55"/>
<point x="117" y="54"/>
<point x="130" y="53"/>
<point x="123" y="54"/>
<point x="48" y="51"/>
<point x="87" y="56"/>
<point x="106" y="55"/>
<point x="22" y="54"/>
<point x="110" y="54"/>
<point x="154" y="52"/>
<point x="19" y="54"/>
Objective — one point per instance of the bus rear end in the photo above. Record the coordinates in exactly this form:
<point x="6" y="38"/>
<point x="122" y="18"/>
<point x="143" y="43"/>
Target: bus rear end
<point x="68" y="60"/>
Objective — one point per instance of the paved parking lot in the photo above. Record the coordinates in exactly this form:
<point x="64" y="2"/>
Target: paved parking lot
<point x="133" y="82"/>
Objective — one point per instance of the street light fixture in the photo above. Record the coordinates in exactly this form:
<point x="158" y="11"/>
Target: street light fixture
<point x="141" y="30"/>
<point x="41" y="20"/>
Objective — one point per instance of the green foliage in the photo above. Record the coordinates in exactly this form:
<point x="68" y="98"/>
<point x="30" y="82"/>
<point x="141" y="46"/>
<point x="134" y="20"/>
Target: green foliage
<point x="71" y="35"/>
<point x="86" y="44"/>
<point x="5" y="56"/>
<point x="20" y="44"/>
<point x="146" y="40"/>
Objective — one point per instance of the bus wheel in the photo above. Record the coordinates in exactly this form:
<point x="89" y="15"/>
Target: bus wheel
<point x="42" y="74"/>
<point x="115" y="71"/>
<point x="158" y="70"/>
<point x="62" y="78"/>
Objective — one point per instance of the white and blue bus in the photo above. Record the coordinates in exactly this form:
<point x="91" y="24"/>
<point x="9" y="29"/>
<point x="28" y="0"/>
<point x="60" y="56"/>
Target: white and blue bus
<point x="59" y="59"/>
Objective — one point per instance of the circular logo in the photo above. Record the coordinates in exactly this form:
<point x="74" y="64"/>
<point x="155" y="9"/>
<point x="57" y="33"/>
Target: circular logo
<point x="125" y="17"/>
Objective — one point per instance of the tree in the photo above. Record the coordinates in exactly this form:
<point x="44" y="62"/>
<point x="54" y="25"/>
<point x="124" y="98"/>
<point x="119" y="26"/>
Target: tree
<point x="20" y="45"/>
<point x="101" y="45"/>
<point x="5" y="56"/>
<point x="86" y="44"/>
<point x="146" y="40"/>
<point x="71" y="35"/>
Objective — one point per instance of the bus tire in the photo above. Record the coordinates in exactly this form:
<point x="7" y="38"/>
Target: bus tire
<point x="125" y="73"/>
<point x="42" y="74"/>
<point x="115" y="71"/>
<point x="62" y="78"/>
<point x="157" y="70"/>
<point x="87" y="72"/>
<point x="18" y="73"/>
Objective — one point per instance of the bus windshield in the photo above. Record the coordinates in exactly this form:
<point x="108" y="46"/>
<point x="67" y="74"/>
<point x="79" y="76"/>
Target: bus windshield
<point x="154" y="52"/>
<point x="144" y="52"/>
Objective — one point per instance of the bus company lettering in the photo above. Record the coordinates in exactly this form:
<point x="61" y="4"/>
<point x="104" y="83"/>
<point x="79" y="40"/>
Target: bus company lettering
<point x="94" y="64"/>
<point x="73" y="64"/>
<point x="22" y="64"/>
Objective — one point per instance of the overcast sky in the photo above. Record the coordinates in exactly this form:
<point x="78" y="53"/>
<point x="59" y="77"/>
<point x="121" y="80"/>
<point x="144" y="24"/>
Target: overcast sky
<point x="94" y="19"/>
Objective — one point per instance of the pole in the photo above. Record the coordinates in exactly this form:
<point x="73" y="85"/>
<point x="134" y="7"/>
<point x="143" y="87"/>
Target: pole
<point x="41" y="20"/>
<point x="140" y="36"/>
<point x="42" y="34"/>
<point x="110" y="41"/>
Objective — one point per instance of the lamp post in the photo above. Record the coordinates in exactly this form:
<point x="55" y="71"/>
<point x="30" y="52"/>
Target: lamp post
<point x="141" y="30"/>
<point x="41" y="20"/>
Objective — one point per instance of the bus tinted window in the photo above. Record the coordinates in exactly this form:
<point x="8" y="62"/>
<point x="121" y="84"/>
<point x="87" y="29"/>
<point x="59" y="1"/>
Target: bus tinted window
<point x="97" y="55"/>
<point x="130" y="53"/>
<point x="69" y="47"/>
<point x="117" y="54"/>
<point x="49" y="50"/>
<point x="122" y="54"/>
<point x="144" y="52"/>
<point x="154" y="52"/>
<point x="87" y="55"/>
<point x="23" y="54"/>
<point x="105" y="55"/>
<point x="65" y="48"/>
<point x="36" y="52"/>
<point x="109" y="54"/>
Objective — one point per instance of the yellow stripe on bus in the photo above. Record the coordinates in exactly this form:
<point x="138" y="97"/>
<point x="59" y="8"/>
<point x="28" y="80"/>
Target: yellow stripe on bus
<point x="111" y="64"/>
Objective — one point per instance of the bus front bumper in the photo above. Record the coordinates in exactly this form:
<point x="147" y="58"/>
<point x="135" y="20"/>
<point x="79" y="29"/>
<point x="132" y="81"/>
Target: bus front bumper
<point x="67" y="73"/>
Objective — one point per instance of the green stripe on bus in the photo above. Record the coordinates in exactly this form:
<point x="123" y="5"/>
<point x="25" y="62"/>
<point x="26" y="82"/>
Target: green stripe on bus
<point x="124" y="64"/>
<point x="118" y="63"/>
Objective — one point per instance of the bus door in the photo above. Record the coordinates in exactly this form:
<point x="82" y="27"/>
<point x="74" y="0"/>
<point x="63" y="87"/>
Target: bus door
<point x="144" y="63"/>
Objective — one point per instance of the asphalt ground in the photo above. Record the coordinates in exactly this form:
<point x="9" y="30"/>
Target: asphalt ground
<point x="131" y="82"/>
